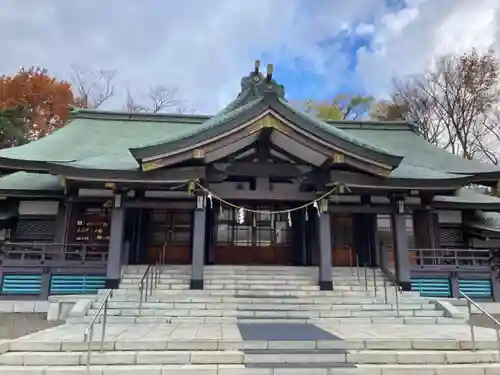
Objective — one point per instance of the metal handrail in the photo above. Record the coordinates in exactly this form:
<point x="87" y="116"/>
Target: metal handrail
<point x="398" y="290"/>
<point x="151" y="276"/>
<point x="471" y="303"/>
<point x="88" y="335"/>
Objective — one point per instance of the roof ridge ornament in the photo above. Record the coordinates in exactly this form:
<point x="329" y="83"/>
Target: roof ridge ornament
<point x="256" y="85"/>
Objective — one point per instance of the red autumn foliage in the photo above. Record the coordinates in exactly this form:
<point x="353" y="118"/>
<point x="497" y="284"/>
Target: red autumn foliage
<point x="43" y="101"/>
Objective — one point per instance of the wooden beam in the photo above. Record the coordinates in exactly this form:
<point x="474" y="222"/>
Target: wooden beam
<point x="159" y="203"/>
<point x="264" y="144"/>
<point x="281" y="191"/>
<point x="259" y="169"/>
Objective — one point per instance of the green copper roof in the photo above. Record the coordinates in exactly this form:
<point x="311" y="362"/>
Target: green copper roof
<point x="404" y="141"/>
<point x="30" y="181"/>
<point x="408" y="171"/>
<point x="114" y="141"/>
<point x="257" y="95"/>
<point x="486" y="222"/>
<point x="207" y="125"/>
<point x="102" y="140"/>
<point x="466" y="195"/>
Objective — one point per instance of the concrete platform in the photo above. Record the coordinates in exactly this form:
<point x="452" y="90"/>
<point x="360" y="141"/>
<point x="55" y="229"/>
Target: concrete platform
<point x="231" y="332"/>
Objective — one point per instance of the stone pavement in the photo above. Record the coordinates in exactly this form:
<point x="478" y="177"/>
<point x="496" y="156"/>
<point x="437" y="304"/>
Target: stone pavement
<point x="231" y="332"/>
<point x="259" y="321"/>
<point x="255" y="349"/>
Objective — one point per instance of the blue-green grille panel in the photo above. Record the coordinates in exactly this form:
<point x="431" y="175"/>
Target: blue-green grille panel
<point x="478" y="288"/>
<point x="431" y="287"/>
<point x="27" y="284"/>
<point x="76" y="284"/>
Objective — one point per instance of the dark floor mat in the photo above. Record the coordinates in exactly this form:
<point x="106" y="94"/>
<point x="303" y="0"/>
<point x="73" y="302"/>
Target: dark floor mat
<point x="283" y="332"/>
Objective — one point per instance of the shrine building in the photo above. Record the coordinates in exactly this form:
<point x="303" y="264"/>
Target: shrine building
<point x="258" y="183"/>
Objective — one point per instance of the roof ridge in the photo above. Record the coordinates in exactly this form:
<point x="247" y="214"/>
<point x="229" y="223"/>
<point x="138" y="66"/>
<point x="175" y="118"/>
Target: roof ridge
<point x="373" y="124"/>
<point x="210" y="122"/>
<point x="138" y="116"/>
<point x="336" y="130"/>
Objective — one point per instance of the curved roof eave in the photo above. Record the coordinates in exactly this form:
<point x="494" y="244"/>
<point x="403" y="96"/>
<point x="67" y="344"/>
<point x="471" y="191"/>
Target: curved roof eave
<point x="226" y="121"/>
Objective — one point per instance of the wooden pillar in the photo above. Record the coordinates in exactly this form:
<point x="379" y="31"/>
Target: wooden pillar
<point x="364" y="238"/>
<point x="113" y="271"/>
<point x="426" y="233"/>
<point x="198" y="249"/>
<point x="298" y="238"/>
<point x="400" y="240"/>
<point x="325" y="252"/>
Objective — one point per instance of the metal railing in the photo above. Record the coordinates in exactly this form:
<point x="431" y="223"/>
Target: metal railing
<point x="450" y="258"/>
<point x="151" y="276"/>
<point x="40" y="253"/>
<point x="88" y="335"/>
<point x="471" y="303"/>
<point x="398" y="290"/>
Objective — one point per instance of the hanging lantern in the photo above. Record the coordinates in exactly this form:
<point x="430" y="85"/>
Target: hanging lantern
<point x="401" y="206"/>
<point x="324" y="205"/>
<point x="220" y="210"/>
<point x="306" y="215"/>
<point x="191" y="187"/>
<point x="240" y="216"/>
<point x="289" y="219"/>
<point x="210" y="200"/>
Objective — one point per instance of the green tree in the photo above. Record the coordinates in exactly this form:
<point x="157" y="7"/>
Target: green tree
<point x="13" y="129"/>
<point x="341" y="107"/>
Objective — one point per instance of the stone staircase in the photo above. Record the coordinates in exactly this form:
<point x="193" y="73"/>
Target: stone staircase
<point x="203" y="357"/>
<point x="260" y="321"/>
<point x="265" y="294"/>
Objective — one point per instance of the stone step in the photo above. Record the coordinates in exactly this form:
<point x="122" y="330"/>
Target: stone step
<point x="192" y="319"/>
<point x="232" y="281"/>
<point x="75" y="358"/>
<point x="162" y="280"/>
<point x="263" y="306"/>
<point x="262" y="358"/>
<point x="159" y="344"/>
<point x="470" y="369"/>
<point x="339" y="280"/>
<point x="329" y="301"/>
<point x="327" y="357"/>
<point x="291" y="288"/>
<point x="255" y="293"/>
<point x="270" y="313"/>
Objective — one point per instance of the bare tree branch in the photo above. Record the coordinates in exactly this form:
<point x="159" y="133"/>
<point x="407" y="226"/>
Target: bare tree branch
<point x="158" y="99"/>
<point x="456" y="104"/>
<point x="163" y="97"/>
<point x="93" y="87"/>
<point x="131" y="105"/>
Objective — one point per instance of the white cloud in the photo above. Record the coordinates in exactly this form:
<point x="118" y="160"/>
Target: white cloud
<point x="409" y="40"/>
<point x="204" y="47"/>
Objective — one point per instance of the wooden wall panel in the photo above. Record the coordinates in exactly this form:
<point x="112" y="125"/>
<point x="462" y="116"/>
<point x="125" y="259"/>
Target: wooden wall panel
<point x="257" y="255"/>
<point x="173" y="255"/>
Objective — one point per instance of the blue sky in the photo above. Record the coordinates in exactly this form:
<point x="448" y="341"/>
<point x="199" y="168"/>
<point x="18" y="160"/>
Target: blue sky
<point x="302" y="83"/>
<point x="202" y="48"/>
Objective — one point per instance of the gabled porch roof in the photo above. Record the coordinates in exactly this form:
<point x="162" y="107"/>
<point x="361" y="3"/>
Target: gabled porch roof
<point x="261" y="105"/>
<point x="109" y="146"/>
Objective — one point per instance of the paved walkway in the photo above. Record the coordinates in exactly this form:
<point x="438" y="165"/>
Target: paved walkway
<point x="231" y="332"/>
<point x="13" y="325"/>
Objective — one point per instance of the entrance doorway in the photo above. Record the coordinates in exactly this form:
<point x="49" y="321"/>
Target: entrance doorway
<point x="172" y="227"/>
<point x="262" y="238"/>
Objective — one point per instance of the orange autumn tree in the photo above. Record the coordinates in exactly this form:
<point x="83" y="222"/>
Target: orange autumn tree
<point x="32" y="105"/>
